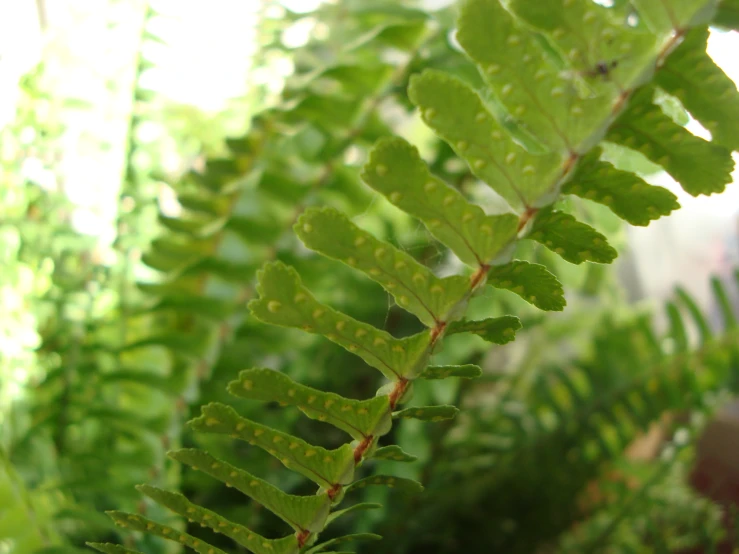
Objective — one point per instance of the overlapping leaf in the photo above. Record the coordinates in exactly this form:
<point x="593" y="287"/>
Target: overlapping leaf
<point x="324" y="467"/>
<point x="414" y="287"/>
<point x="575" y="241"/>
<point x="532" y="282"/>
<point x="285" y="301"/>
<point x="468" y="371"/>
<point x="396" y="170"/>
<point x="699" y="166"/>
<point x="300" y="512"/>
<point x="498" y="330"/>
<point x="359" y="418"/>
<point x="625" y="193"/>
<point x="703" y="88"/>
<point x="458" y="115"/>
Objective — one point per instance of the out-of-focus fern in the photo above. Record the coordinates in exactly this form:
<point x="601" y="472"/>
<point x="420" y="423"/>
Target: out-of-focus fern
<point x="557" y="78"/>
<point x="528" y="452"/>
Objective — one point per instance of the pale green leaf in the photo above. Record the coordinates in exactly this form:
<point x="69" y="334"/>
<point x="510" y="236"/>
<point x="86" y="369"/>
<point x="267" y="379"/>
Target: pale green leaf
<point x="575" y="241"/>
<point x="703" y="88"/>
<point x="396" y="170"/>
<point x="360" y="507"/>
<point x="340" y="540"/>
<point x="457" y="114"/>
<point x="625" y="193"/>
<point x="400" y="483"/>
<point x="283" y="300"/>
<point x="468" y="371"/>
<point x="300" y="512"/>
<point x="536" y="93"/>
<point x="359" y="418"/>
<point x="139" y="523"/>
<point x="591" y="37"/>
<point x="699" y="166"/>
<point x="414" y="287"/>
<point x="498" y="330"/>
<point x="675" y="15"/>
<point x="394" y="453"/>
<point x="532" y="282"/>
<point x="428" y="413"/>
<point x="324" y="467"/>
<point x="247" y="538"/>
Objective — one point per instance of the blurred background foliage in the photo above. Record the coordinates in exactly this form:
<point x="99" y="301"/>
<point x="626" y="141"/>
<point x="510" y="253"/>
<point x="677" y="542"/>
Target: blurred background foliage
<point x="153" y="154"/>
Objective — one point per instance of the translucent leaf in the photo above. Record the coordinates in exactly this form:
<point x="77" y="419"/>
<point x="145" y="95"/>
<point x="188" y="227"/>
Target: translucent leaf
<point x="340" y="540"/>
<point x="703" y="88"/>
<point x="626" y="194"/>
<point x="498" y="330"/>
<point x="394" y="453"/>
<point x="140" y="523"/>
<point x="283" y="300"/>
<point x="458" y="115"/>
<point x="324" y="467"/>
<point x="414" y="287"/>
<point x="355" y="508"/>
<point x="428" y="413"/>
<point x="575" y="241"/>
<point x="300" y="512"/>
<point x="109" y="548"/>
<point x="359" y="418"/>
<point x="608" y="55"/>
<point x="468" y="371"/>
<point x="675" y="15"/>
<point x="535" y="92"/>
<point x="400" y="483"/>
<point x="396" y="170"/>
<point x="699" y="166"/>
<point x="532" y="282"/>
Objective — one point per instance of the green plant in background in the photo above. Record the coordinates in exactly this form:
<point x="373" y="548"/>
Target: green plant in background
<point x="557" y="79"/>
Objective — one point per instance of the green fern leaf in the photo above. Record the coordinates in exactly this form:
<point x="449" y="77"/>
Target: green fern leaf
<point x="498" y="330"/>
<point x="247" y="538"/>
<point x="626" y="194"/>
<point x="140" y="523"/>
<point x="428" y="413"/>
<point x="676" y="15"/>
<point x="576" y="242"/>
<point x="359" y="418"/>
<point x="532" y="282"/>
<point x="458" y="115"/>
<point x="728" y="14"/>
<point x="587" y="34"/>
<point x="396" y="170"/>
<point x="394" y="453"/>
<point x="283" y="300"/>
<point x="704" y="89"/>
<point x="533" y="90"/>
<point x="699" y="166"/>
<point x="340" y="540"/>
<point x="414" y="287"/>
<point x="468" y="371"/>
<point x="300" y="512"/>
<point x="355" y="508"/>
<point x="400" y="483"/>
<point x="324" y="467"/>
<point x="110" y="548"/>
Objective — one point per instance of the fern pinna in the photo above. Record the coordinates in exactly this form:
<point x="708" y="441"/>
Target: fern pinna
<point x="562" y="79"/>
